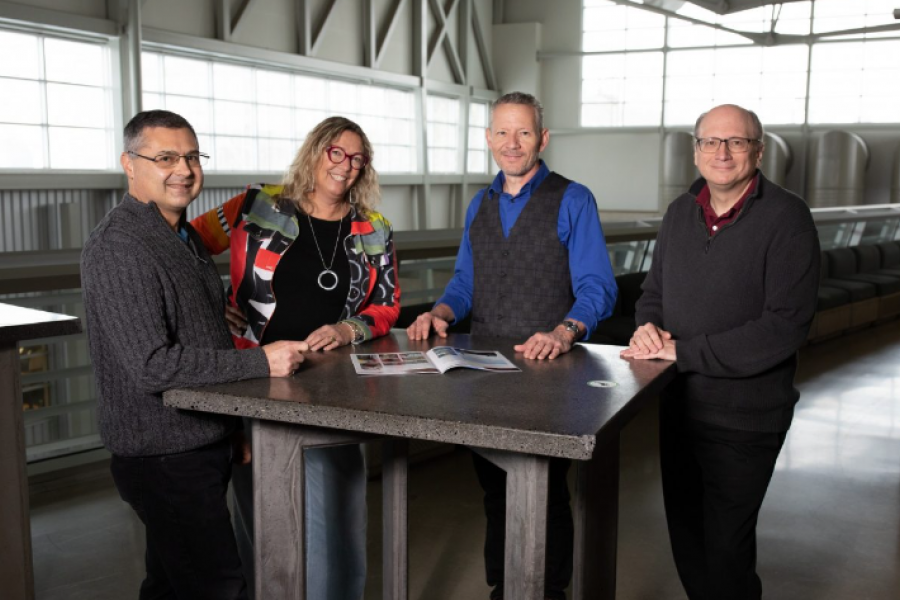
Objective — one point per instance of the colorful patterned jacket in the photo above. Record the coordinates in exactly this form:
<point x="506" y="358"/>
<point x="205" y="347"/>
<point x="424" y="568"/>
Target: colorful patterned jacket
<point x="259" y="229"/>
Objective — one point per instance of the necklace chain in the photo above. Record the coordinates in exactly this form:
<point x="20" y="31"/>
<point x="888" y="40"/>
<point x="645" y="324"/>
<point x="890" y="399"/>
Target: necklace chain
<point x="326" y="269"/>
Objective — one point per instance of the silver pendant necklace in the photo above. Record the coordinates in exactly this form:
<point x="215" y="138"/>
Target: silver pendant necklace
<point x="326" y="269"/>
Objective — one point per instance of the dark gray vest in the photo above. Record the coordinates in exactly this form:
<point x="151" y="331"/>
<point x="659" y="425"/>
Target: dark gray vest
<point x="522" y="283"/>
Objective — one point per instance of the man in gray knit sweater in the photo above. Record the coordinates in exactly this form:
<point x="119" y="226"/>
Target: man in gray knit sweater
<point x="155" y="307"/>
<point x="730" y="297"/>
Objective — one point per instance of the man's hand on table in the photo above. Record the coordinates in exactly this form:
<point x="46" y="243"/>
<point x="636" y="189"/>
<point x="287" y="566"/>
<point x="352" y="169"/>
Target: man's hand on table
<point x="650" y="341"/>
<point x="285" y="357"/>
<point x="549" y="344"/>
<point x="438" y="318"/>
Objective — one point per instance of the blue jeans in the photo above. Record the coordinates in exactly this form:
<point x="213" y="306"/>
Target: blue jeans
<point x="180" y="498"/>
<point x="335" y="522"/>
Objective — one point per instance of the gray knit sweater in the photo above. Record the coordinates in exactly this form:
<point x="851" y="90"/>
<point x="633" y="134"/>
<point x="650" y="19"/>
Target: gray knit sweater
<point x="155" y="320"/>
<point x="739" y="305"/>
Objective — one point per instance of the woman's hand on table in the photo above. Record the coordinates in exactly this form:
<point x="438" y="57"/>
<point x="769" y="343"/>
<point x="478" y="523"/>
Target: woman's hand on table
<point x="330" y="337"/>
<point x="237" y="321"/>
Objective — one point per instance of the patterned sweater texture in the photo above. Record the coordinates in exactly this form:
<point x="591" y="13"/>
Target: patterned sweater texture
<point x="155" y="320"/>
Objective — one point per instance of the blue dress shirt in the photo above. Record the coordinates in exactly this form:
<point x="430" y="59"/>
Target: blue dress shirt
<point x="593" y="283"/>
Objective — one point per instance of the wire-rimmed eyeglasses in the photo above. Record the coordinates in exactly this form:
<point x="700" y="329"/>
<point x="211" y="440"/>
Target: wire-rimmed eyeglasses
<point x="337" y="155"/>
<point x="168" y="160"/>
<point x="734" y="144"/>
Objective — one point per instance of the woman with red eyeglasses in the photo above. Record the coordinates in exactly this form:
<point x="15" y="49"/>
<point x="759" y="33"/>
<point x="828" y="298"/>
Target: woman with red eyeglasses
<point x="316" y="245"/>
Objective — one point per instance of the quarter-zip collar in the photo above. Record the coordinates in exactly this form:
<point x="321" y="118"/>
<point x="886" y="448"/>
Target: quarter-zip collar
<point x="698" y="186"/>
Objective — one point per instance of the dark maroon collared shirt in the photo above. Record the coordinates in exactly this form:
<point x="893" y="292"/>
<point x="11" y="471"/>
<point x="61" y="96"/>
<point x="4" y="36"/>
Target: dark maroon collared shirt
<point x="714" y="222"/>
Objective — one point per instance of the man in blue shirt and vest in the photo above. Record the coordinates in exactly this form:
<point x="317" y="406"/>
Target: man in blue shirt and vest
<point x="532" y="264"/>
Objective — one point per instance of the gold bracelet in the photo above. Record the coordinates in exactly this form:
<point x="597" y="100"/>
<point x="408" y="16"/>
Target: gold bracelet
<point x="358" y="335"/>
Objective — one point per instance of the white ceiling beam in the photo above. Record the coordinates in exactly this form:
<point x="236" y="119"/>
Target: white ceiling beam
<point x="304" y="28"/>
<point x="442" y="38"/>
<point x="483" y="54"/>
<point x="317" y="39"/>
<point x="238" y="17"/>
<point x="388" y="30"/>
<point x="464" y="19"/>
<point x="370" y="43"/>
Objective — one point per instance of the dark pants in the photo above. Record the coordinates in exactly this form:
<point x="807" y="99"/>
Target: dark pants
<point x="191" y="553"/>
<point x="714" y="482"/>
<point x="560" y="529"/>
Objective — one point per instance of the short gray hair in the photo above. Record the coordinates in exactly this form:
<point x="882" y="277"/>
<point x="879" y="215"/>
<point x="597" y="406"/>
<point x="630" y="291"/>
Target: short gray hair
<point x="525" y="100"/>
<point x="134" y="131"/>
<point x="755" y="124"/>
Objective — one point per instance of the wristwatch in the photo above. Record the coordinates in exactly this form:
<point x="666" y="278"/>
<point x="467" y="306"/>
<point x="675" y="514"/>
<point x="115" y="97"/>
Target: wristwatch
<point x="573" y="327"/>
<point x="359" y="334"/>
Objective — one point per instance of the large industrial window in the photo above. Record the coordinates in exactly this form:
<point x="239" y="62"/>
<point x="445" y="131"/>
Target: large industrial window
<point x="770" y="81"/>
<point x="855" y="82"/>
<point x="253" y="119"/>
<point x="55" y="103"/>
<point x="443" y="121"/>
<point x="852" y="77"/>
<point x="477" y="160"/>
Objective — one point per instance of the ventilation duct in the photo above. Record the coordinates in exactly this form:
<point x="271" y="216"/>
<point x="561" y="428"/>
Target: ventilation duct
<point x="678" y="171"/>
<point x="838" y="175"/>
<point x="777" y="159"/>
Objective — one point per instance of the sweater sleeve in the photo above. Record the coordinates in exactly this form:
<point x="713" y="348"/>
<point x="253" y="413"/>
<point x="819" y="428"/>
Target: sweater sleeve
<point x="383" y="308"/>
<point x="124" y="290"/>
<point x="214" y="226"/>
<point x="791" y="283"/>
<point x="649" y="305"/>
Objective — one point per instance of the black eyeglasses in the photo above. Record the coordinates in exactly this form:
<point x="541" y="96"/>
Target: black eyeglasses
<point x="734" y="144"/>
<point x="337" y="155"/>
<point x="169" y="160"/>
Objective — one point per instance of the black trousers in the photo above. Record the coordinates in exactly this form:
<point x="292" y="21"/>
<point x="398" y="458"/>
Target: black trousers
<point x="191" y="552"/>
<point x="560" y="528"/>
<point x="714" y="482"/>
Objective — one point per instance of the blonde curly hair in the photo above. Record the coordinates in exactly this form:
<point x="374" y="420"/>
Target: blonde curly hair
<point x="300" y="178"/>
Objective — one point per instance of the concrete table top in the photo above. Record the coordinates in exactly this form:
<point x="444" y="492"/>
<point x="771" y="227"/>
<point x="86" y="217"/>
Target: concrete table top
<point x="17" y="324"/>
<point x="548" y="409"/>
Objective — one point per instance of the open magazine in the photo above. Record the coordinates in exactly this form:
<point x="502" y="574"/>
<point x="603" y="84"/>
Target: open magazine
<point x="437" y="360"/>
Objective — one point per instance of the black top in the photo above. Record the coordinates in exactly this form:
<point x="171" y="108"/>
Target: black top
<point x="302" y="305"/>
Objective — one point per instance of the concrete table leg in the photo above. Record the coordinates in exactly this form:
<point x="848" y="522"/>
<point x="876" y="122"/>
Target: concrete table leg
<point x="16" y="570"/>
<point x="526" y="522"/>
<point x="395" y="474"/>
<point x="279" y="499"/>
<point x="596" y="512"/>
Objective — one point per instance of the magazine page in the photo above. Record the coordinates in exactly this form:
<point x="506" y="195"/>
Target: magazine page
<point x="392" y="363"/>
<point x="445" y="358"/>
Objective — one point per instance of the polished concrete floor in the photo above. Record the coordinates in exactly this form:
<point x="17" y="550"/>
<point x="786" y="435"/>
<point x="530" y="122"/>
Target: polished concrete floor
<point x="830" y="528"/>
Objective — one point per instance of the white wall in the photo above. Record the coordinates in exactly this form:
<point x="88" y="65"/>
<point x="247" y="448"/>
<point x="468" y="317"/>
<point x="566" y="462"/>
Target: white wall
<point x="515" y="57"/>
<point x="621" y="169"/>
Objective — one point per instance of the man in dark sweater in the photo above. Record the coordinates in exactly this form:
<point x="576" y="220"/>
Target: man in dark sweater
<point x="730" y="297"/>
<point x="532" y="265"/>
<point x="154" y="307"/>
